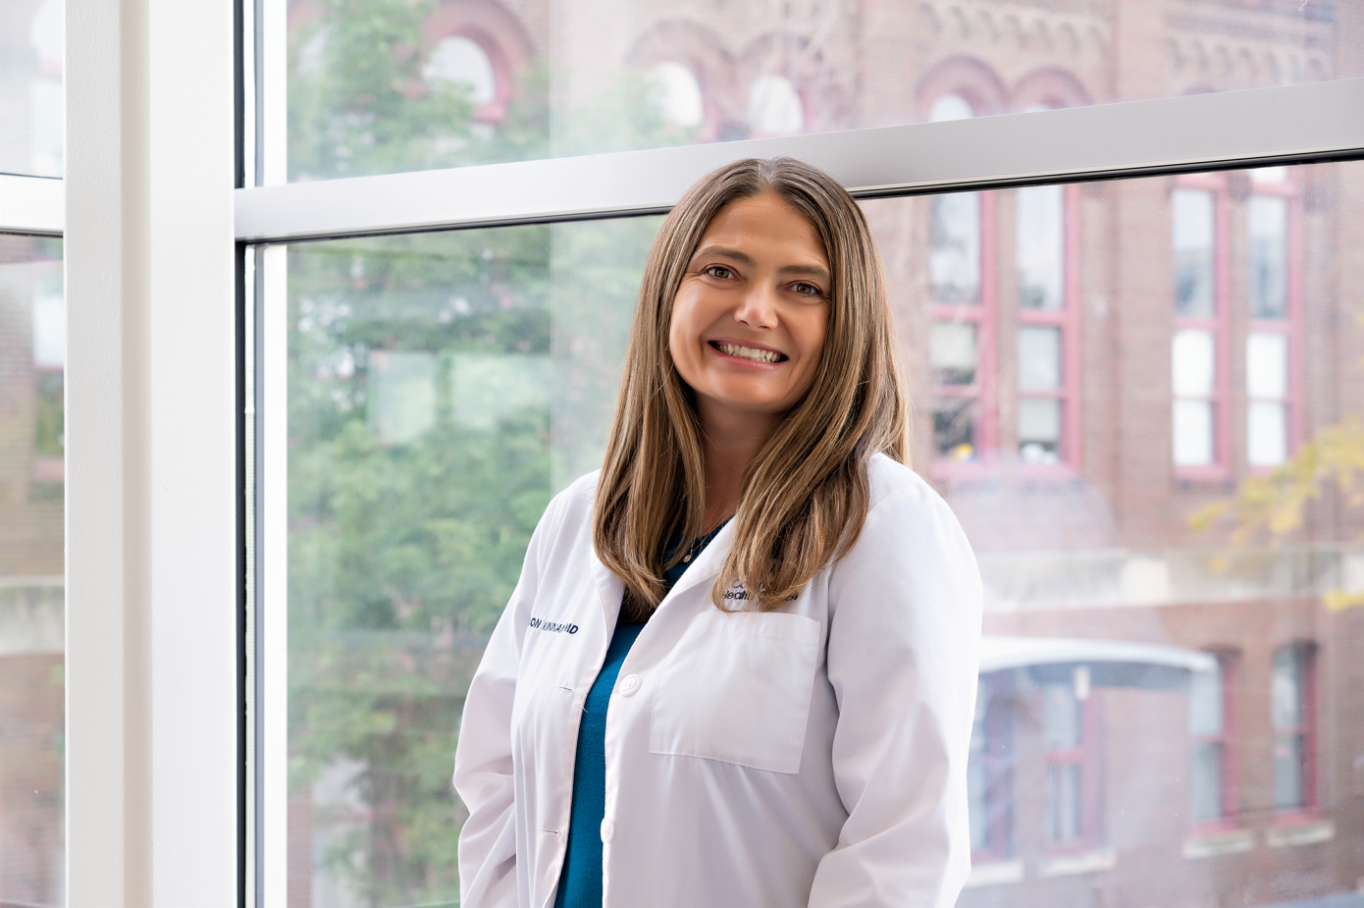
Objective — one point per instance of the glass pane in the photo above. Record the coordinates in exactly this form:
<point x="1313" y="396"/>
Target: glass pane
<point x="954" y="427"/>
<point x="379" y="86"/>
<point x="1039" y="250"/>
<point x="1205" y="782"/>
<point x="1039" y="358"/>
<point x="1193" y="433"/>
<point x="1039" y="429"/>
<point x="1205" y="703"/>
<point x="442" y="388"/>
<point x="1266" y="433"/>
<point x="1192" y="210"/>
<point x="1063" y="803"/>
<point x="1267" y="365"/>
<point x="1060" y="717"/>
<point x="1268" y="217"/>
<point x="1288" y="688"/>
<point x="954" y="249"/>
<point x="953" y="353"/>
<point x="1288" y="753"/>
<point x="32" y="114"/>
<point x="444" y="385"/>
<point x="1192" y="358"/>
<point x="32" y="570"/>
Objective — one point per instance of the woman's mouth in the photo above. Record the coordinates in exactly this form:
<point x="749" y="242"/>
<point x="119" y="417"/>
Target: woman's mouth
<point x="757" y="354"/>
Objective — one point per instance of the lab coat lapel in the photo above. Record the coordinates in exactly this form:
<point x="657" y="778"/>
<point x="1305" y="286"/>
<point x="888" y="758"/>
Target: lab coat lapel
<point x="610" y="588"/>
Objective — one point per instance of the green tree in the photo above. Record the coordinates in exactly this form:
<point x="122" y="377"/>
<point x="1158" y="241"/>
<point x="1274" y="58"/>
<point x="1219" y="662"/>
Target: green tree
<point x="441" y="388"/>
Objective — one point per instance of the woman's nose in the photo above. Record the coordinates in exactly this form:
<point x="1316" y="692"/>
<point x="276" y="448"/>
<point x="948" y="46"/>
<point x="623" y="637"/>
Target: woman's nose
<point x="758" y="308"/>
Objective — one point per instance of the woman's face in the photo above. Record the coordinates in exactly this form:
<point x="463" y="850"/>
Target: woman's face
<point x="750" y="317"/>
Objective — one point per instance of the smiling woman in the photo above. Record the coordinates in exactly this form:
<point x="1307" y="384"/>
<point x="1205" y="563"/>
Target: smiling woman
<point x="792" y="688"/>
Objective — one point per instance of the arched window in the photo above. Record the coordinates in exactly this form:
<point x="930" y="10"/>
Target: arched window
<point x="775" y="107"/>
<point x="677" y="94"/>
<point x="461" y="60"/>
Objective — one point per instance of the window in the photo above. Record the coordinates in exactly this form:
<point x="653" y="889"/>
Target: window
<point x="1272" y="340"/>
<point x="989" y="779"/>
<point x="678" y="94"/>
<point x="1212" y="759"/>
<point x="1198" y="374"/>
<point x="1292" y="698"/>
<point x="961" y="350"/>
<point x="1070" y="731"/>
<point x="1048" y="405"/>
<point x="775" y="107"/>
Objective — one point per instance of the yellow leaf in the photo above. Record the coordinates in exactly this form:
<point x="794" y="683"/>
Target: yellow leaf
<point x="1339" y="600"/>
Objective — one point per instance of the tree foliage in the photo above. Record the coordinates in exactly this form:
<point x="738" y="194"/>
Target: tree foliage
<point x="441" y="388"/>
<point x="1274" y="504"/>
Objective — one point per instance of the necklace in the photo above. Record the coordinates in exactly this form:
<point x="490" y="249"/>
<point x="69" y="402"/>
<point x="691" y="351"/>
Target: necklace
<point x="700" y="542"/>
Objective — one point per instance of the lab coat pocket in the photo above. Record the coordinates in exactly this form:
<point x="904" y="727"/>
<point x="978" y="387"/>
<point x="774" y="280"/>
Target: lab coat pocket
<point x="737" y="688"/>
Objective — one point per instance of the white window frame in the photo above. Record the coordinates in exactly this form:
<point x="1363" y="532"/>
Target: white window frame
<point x="159" y="810"/>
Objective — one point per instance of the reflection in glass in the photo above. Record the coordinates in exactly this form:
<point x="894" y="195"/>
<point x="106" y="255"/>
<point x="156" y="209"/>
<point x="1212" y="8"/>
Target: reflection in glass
<point x="1039" y="246"/>
<point x="1193" y="237"/>
<point x="1268" y="217"/>
<point x="954" y="251"/>
<point x="32" y="563"/>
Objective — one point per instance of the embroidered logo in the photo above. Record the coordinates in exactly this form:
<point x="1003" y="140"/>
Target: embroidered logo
<point x="553" y="627"/>
<point x="739" y="593"/>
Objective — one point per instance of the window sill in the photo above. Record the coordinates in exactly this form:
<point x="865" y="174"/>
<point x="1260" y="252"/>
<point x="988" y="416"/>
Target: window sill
<point x="1289" y="833"/>
<point x="995" y="873"/>
<point x="1076" y="864"/>
<point x="1214" y="844"/>
<point x="992" y="469"/>
<point x="1213" y="474"/>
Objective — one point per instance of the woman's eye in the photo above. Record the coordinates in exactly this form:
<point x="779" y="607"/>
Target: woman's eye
<point x="719" y="271"/>
<point x="804" y="289"/>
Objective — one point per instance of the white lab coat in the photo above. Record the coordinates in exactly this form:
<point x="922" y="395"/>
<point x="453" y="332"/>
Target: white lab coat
<point x="815" y="755"/>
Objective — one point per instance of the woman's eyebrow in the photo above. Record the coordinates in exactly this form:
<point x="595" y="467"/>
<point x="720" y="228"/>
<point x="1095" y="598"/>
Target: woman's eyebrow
<point x="726" y="252"/>
<point x="809" y="270"/>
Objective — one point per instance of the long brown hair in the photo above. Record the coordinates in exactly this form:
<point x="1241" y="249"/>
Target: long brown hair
<point x="805" y="494"/>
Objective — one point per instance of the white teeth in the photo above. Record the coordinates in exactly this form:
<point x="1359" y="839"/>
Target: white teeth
<point x="762" y="356"/>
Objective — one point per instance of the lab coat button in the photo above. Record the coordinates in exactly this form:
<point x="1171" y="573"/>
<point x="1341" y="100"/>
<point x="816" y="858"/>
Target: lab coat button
<point x="629" y="684"/>
<point x="608" y="830"/>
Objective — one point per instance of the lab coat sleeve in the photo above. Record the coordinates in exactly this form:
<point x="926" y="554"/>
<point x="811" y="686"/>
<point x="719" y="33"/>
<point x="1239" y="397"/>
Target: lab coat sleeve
<point x="483" y="757"/>
<point x="904" y="630"/>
